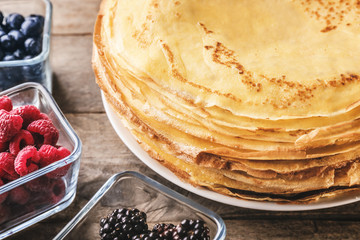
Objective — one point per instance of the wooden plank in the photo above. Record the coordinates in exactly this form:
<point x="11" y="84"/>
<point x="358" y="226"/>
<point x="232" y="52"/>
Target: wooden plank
<point x="291" y="229"/>
<point x="74" y="17"/>
<point x="74" y="87"/>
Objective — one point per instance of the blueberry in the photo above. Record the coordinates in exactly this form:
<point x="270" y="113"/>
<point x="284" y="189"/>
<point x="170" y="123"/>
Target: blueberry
<point x="19" y="54"/>
<point x="3" y="28"/>
<point x="39" y="17"/>
<point x="10" y="76"/>
<point x="32" y="27"/>
<point x="14" y="21"/>
<point x="32" y="72"/>
<point x="28" y="57"/>
<point x="1" y="17"/>
<point x="2" y="33"/>
<point x="33" y="46"/>
<point x="7" y="43"/>
<point x="9" y="58"/>
<point x="18" y="37"/>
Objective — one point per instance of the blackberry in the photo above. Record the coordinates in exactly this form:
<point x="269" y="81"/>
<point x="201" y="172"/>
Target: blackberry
<point x="192" y="229"/>
<point x="122" y="224"/>
<point x="147" y="236"/>
<point x="166" y="231"/>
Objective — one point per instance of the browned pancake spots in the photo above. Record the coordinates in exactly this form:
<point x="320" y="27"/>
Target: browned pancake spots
<point x="331" y="13"/>
<point x="174" y="71"/>
<point x="154" y="4"/>
<point x="225" y="56"/>
<point x="328" y="28"/>
<point x="298" y="91"/>
<point x="205" y="29"/>
<point x="143" y="34"/>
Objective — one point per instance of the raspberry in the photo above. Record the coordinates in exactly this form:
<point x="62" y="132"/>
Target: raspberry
<point x="63" y="152"/>
<point x="57" y="189"/>
<point x="7" y="170"/>
<point x="26" y="161"/>
<point x="46" y="130"/>
<point x="49" y="154"/>
<point x="19" y="195"/>
<point x="4" y="146"/>
<point x="29" y="113"/>
<point x="10" y="125"/>
<point x="40" y="184"/>
<point x="4" y="195"/>
<point x="44" y="116"/>
<point x="22" y="139"/>
<point x="5" y="103"/>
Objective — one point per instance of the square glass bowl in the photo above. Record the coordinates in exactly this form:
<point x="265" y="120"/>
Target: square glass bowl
<point x="46" y="196"/>
<point x="36" y="69"/>
<point x="133" y="190"/>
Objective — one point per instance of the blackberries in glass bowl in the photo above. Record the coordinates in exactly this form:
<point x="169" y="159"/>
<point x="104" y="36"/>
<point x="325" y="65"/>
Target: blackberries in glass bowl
<point x="131" y="224"/>
<point x="19" y="34"/>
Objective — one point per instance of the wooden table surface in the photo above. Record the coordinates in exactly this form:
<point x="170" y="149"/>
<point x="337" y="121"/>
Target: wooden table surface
<point x="104" y="154"/>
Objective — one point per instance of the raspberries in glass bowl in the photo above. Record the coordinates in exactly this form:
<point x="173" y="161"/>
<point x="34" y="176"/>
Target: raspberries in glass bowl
<point x="28" y="142"/>
<point x="39" y="158"/>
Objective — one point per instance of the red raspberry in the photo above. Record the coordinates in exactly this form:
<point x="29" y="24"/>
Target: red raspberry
<point x="7" y="170"/>
<point x="49" y="154"/>
<point x="29" y="113"/>
<point x="46" y="129"/>
<point x="57" y="191"/>
<point x="19" y="195"/>
<point x="27" y="161"/>
<point x="63" y="152"/>
<point x="10" y="125"/>
<point x="4" y="146"/>
<point x="21" y="140"/>
<point x="44" y="116"/>
<point x="5" y="103"/>
<point x="4" y="195"/>
<point x="40" y="184"/>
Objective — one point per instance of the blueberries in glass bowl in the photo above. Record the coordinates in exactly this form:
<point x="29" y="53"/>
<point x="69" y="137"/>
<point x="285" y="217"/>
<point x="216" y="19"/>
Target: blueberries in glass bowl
<point x="20" y="39"/>
<point x="19" y="34"/>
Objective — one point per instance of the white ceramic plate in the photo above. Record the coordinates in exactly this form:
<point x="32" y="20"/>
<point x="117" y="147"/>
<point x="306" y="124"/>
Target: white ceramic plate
<point x="132" y="144"/>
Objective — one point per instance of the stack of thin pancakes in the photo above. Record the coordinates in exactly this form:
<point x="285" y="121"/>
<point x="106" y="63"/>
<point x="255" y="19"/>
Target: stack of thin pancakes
<point x="254" y="99"/>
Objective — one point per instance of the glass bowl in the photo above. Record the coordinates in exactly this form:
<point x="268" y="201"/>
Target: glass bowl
<point x="46" y="196"/>
<point x="133" y="190"/>
<point x="36" y="69"/>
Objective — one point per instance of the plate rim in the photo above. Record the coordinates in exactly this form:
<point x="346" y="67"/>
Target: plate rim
<point x="131" y="143"/>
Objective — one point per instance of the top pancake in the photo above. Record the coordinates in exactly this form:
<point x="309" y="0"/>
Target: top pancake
<point x="258" y="59"/>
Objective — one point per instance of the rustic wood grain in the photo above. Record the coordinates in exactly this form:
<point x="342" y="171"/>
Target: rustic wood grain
<point x="74" y="17"/>
<point x="74" y="87"/>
